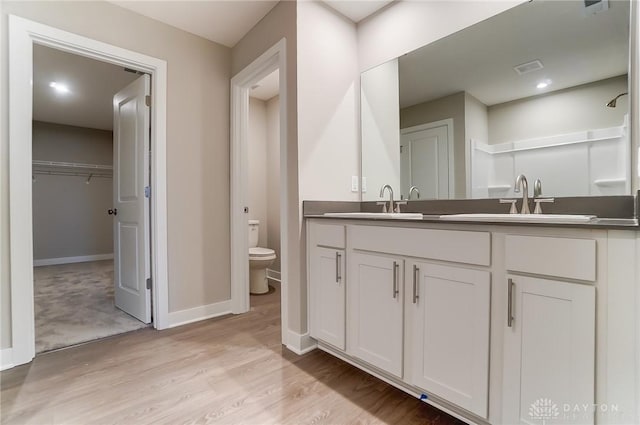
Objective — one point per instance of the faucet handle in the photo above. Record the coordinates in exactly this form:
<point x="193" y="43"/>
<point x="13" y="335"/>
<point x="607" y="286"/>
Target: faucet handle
<point x="384" y="206"/>
<point x="538" y="201"/>
<point x="398" y="203"/>
<point x="513" y="209"/>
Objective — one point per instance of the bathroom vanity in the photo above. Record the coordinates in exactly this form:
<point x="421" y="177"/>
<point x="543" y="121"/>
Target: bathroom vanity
<point x="493" y="323"/>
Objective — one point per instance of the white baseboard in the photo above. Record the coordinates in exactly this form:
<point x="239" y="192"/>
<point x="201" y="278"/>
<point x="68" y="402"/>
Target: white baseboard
<point x="6" y="358"/>
<point x="301" y="343"/>
<point x="69" y="260"/>
<point x="274" y="275"/>
<point x="183" y="317"/>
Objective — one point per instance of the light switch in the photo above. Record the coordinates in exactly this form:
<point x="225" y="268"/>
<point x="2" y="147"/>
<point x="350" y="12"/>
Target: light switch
<point x="364" y="184"/>
<point x="354" y="183"/>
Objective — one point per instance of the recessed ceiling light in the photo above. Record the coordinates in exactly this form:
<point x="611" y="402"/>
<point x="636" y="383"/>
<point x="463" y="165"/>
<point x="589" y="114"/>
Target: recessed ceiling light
<point x="543" y="84"/>
<point x="58" y="87"/>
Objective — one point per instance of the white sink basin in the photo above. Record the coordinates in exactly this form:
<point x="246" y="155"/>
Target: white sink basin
<point x="404" y="216"/>
<point x="521" y="218"/>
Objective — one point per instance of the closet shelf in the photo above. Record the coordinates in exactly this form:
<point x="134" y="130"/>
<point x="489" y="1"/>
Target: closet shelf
<point x="70" y="166"/>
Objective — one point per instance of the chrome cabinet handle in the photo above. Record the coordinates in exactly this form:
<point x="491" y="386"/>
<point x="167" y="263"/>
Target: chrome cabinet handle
<point x="416" y="271"/>
<point x="395" y="279"/>
<point x="510" y="303"/>
<point x="338" y="271"/>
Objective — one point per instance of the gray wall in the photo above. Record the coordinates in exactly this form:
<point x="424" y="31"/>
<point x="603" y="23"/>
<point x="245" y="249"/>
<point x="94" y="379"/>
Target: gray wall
<point x="273" y="178"/>
<point x="560" y="112"/>
<point x="281" y="22"/>
<point x="70" y="216"/>
<point x="197" y="143"/>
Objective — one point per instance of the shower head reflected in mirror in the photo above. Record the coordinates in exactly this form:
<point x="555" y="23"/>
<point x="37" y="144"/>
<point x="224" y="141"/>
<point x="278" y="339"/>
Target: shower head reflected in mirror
<point x="612" y="102"/>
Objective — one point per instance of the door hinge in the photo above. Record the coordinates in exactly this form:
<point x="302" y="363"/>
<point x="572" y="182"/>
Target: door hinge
<point x="147" y="192"/>
<point x="148" y="283"/>
<point x="147" y="100"/>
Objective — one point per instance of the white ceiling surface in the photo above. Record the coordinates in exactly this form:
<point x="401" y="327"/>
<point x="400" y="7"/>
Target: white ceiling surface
<point x="574" y="47"/>
<point x="268" y="87"/>
<point x="91" y="84"/>
<point x="224" y="22"/>
<point x="357" y="10"/>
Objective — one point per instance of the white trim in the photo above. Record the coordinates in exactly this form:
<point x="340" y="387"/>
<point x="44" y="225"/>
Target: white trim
<point x="301" y="343"/>
<point x="274" y="275"/>
<point x="6" y="358"/>
<point x="274" y="58"/>
<point x="70" y="260"/>
<point x="196" y="314"/>
<point x="23" y="34"/>
<point x="450" y="142"/>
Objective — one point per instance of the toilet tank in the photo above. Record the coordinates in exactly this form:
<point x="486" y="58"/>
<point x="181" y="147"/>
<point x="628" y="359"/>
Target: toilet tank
<point x="254" y="227"/>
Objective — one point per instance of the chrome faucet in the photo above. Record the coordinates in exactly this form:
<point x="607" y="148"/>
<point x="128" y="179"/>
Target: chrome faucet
<point x="537" y="199"/>
<point x="386" y="186"/>
<point x="537" y="188"/>
<point x="521" y="180"/>
<point x="414" y="189"/>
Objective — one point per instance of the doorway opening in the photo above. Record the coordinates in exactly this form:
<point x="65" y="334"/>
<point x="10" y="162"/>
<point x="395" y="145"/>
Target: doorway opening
<point x="270" y="66"/>
<point x="264" y="186"/>
<point x="73" y="200"/>
<point x="23" y="36"/>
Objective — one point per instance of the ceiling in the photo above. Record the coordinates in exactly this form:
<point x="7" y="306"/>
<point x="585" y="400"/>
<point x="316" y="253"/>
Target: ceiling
<point x="574" y="46"/>
<point x="224" y="22"/>
<point x="91" y="84"/>
<point x="357" y="10"/>
<point x="268" y="87"/>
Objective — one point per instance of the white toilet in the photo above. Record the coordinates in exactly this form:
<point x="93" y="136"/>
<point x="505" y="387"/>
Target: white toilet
<point x="259" y="260"/>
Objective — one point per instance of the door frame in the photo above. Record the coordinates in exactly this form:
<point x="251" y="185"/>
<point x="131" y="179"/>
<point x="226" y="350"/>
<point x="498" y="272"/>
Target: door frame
<point x="450" y="141"/>
<point x="272" y="59"/>
<point x="23" y="34"/>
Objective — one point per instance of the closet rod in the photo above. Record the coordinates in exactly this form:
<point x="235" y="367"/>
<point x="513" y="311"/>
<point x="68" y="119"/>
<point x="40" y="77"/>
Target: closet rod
<point x="78" y="174"/>
<point x="58" y="164"/>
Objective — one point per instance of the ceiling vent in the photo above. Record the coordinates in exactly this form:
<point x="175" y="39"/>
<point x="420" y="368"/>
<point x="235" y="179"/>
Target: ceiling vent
<point x="595" y="6"/>
<point x="528" y="67"/>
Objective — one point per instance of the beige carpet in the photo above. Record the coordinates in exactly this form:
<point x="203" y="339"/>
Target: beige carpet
<point x="74" y="304"/>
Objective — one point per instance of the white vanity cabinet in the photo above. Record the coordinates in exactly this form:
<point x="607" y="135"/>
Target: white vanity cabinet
<point x="495" y="324"/>
<point x="549" y="340"/>
<point x="449" y="310"/>
<point x="327" y="283"/>
<point x="401" y="304"/>
<point x="375" y="310"/>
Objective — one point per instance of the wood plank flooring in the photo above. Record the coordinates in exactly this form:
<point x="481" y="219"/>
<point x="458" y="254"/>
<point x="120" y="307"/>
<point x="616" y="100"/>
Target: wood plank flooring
<point x="231" y="370"/>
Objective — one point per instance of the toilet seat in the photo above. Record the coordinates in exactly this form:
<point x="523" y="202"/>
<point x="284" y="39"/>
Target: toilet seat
<point x="259" y="253"/>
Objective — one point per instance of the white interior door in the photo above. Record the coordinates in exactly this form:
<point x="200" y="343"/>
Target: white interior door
<point x="427" y="152"/>
<point x="131" y="206"/>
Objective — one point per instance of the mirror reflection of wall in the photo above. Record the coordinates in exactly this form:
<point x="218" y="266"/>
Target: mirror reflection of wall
<point x="522" y="92"/>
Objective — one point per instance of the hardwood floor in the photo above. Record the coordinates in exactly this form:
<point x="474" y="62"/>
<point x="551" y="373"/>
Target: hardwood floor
<point x="231" y="370"/>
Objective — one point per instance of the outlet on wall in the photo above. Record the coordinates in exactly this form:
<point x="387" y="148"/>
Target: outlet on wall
<point x="354" y="183"/>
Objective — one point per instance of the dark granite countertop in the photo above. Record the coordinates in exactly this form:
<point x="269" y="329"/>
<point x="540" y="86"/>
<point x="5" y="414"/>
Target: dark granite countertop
<point x="598" y="223"/>
<point x="612" y="212"/>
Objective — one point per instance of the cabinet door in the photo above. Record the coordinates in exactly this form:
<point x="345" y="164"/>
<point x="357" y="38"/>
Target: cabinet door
<point x="549" y="352"/>
<point x="450" y="309"/>
<point x="375" y="309"/>
<point x="327" y="296"/>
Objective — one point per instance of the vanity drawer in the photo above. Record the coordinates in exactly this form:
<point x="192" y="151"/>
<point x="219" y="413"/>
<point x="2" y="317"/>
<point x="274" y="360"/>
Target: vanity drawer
<point x="329" y="235"/>
<point x="561" y="257"/>
<point x="446" y="245"/>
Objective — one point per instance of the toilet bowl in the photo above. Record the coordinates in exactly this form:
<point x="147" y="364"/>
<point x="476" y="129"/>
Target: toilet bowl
<point x="259" y="260"/>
